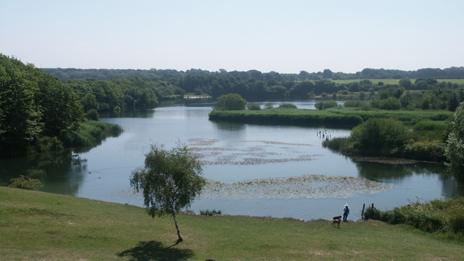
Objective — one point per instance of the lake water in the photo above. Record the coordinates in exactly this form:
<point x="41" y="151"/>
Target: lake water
<point x="278" y="171"/>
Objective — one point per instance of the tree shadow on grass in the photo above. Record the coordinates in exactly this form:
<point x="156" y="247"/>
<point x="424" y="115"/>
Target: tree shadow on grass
<point x="153" y="250"/>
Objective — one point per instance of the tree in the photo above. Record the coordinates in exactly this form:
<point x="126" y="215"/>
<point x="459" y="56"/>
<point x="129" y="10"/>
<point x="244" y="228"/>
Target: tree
<point x="453" y="102"/>
<point x="384" y="137"/>
<point x="231" y="101"/>
<point x="455" y="143"/>
<point x="20" y="114"/>
<point x="170" y="180"/>
<point x="405" y="83"/>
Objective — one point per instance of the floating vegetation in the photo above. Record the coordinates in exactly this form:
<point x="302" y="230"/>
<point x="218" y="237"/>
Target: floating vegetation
<point x="241" y="153"/>
<point x="254" y="161"/>
<point x="308" y="186"/>
<point x="202" y="142"/>
<point x="279" y="142"/>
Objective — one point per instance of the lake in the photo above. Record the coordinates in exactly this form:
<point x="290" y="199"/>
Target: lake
<point x="278" y="171"/>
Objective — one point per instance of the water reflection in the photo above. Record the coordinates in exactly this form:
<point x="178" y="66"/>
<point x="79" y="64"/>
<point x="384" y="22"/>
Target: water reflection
<point x="395" y="173"/>
<point x="229" y="126"/>
<point x="58" y="171"/>
<point x="104" y="172"/>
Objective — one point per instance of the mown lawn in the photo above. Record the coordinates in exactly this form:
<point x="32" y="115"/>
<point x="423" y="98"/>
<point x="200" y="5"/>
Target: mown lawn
<point x="41" y="226"/>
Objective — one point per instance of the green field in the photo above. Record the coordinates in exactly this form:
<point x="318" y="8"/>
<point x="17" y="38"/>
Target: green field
<point x="42" y="226"/>
<point x="337" y="117"/>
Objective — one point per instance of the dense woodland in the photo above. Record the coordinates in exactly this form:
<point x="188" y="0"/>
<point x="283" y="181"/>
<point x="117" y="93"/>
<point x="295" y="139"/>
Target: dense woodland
<point x="39" y="113"/>
<point x="155" y="85"/>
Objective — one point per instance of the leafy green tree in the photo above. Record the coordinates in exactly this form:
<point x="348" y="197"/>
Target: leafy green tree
<point x="453" y="102"/>
<point x="20" y="114"/>
<point x="61" y="108"/>
<point x="455" y="143"/>
<point x="380" y="137"/>
<point x="170" y="180"/>
<point x="231" y="101"/>
<point x="405" y="83"/>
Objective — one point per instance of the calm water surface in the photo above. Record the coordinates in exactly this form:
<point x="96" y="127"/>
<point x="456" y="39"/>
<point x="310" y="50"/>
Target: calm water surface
<point x="240" y="152"/>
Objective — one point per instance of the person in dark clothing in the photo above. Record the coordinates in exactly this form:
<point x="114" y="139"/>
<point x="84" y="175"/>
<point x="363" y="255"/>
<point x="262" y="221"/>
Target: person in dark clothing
<point x="346" y="212"/>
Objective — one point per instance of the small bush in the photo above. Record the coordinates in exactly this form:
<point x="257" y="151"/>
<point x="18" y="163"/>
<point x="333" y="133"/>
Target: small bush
<point x="92" y="114"/>
<point x="287" y="106"/>
<point x="229" y="102"/>
<point x="210" y="212"/>
<point x="342" y="145"/>
<point x="355" y="104"/>
<point x="425" y="150"/>
<point x="23" y="182"/>
<point x="389" y="103"/>
<point x="372" y="213"/>
<point x="253" y="107"/>
<point x="457" y="224"/>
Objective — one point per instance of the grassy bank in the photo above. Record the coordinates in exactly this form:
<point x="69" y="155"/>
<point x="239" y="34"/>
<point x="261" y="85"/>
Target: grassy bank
<point x="337" y="117"/>
<point x="41" y="226"/>
<point x="444" y="216"/>
<point x="90" y="134"/>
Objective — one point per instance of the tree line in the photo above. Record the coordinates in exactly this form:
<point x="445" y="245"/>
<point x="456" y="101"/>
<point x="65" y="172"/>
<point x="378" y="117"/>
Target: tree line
<point x="253" y="84"/>
<point x="33" y="105"/>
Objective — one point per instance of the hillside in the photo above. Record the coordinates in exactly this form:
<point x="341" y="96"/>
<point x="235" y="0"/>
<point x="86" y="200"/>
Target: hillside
<point x="41" y="226"/>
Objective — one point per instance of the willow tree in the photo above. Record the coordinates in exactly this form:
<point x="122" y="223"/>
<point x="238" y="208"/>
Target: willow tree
<point x="170" y="180"/>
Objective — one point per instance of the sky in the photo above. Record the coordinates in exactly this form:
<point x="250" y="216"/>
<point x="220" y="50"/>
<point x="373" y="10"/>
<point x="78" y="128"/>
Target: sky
<point x="267" y="35"/>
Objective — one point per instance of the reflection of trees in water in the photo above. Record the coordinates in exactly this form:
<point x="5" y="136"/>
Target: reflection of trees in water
<point x="395" y="173"/>
<point x="451" y="186"/>
<point x="229" y="126"/>
<point x="61" y="173"/>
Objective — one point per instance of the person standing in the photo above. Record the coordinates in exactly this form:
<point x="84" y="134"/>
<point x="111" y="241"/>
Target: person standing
<point x="346" y="212"/>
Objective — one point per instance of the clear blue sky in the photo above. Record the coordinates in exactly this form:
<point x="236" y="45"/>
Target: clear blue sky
<point x="284" y="36"/>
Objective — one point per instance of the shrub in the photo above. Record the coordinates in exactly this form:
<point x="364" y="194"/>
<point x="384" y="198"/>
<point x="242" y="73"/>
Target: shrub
<point x="425" y="150"/>
<point x="24" y="182"/>
<point x="210" y="212"/>
<point x="380" y="137"/>
<point x="253" y="107"/>
<point x="457" y="224"/>
<point x="45" y="144"/>
<point x="390" y="103"/>
<point x="355" y="104"/>
<point x="231" y="101"/>
<point x="342" y="145"/>
<point x="287" y="106"/>
<point x="322" y="105"/>
<point x="92" y="114"/>
<point x="372" y="213"/>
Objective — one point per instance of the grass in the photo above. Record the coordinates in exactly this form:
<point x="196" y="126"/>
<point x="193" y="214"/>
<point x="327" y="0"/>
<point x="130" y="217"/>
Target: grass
<point x="42" y="226"/>
<point x="334" y="117"/>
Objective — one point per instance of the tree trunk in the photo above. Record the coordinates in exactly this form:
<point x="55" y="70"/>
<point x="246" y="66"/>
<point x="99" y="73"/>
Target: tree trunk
<point x="179" y="237"/>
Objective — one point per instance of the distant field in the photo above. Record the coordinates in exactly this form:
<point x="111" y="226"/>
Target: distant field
<point x="395" y="81"/>
<point x="43" y="226"/>
<point x="335" y="118"/>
